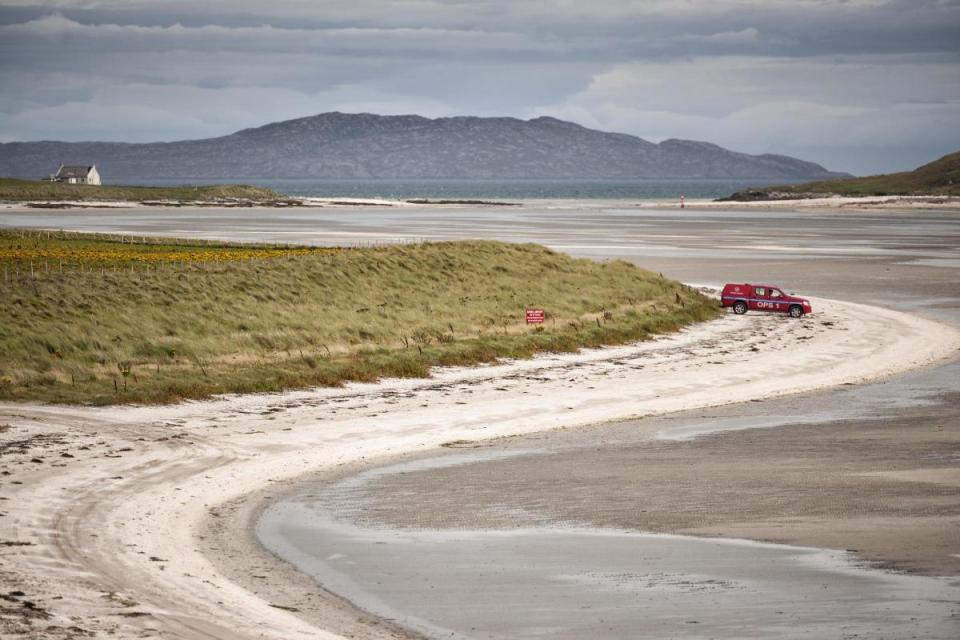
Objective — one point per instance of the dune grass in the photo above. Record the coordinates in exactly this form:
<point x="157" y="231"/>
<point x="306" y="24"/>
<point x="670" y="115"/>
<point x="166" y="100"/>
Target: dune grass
<point x="23" y="250"/>
<point x="14" y="190"/>
<point x="161" y="321"/>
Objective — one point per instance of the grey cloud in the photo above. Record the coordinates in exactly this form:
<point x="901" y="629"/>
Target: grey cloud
<point x="821" y="76"/>
<point x="58" y="29"/>
<point x="818" y="27"/>
<point x="763" y="105"/>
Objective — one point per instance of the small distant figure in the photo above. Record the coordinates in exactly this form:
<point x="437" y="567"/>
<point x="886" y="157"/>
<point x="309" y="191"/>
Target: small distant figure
<point x="683" y="202"/>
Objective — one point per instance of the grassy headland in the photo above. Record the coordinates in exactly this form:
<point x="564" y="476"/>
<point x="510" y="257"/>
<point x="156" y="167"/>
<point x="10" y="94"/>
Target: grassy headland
<point x="93" y="319"/>
<point x="938" y="178"/>
<point x="13" y="190"/>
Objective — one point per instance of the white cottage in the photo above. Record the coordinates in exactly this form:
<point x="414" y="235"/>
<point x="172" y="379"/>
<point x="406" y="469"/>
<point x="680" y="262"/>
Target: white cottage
<point x="77" y="174"/>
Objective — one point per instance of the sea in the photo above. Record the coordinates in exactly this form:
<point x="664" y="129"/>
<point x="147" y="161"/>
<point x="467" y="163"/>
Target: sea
<point x="489" y="189"/>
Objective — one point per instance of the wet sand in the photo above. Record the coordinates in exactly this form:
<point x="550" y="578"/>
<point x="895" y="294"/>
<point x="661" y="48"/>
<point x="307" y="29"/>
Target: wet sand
<point x="617" y="585"/>
<point x="861" y="475"/>
<point x="534" y="536"/>
<point x="183" y="484"/>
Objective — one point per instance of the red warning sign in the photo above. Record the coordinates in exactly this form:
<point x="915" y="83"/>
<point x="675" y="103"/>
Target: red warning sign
<point x="535" y="316"/>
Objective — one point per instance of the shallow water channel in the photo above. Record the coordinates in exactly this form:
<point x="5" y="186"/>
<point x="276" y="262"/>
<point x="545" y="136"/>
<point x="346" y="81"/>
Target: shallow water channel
<point x="525" y="567"/>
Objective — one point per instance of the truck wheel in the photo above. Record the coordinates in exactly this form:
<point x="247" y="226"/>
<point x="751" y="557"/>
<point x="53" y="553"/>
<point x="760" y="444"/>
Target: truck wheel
<point x="739" y="307"/>
<point x="796" y="311"/>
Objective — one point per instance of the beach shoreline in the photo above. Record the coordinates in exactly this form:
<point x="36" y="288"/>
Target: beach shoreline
<point x="120" y="519"/>
<point x="835" y="203"/>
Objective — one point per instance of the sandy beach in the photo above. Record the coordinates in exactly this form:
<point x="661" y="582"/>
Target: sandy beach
<point x="104" y="509"/>
<point x="145" y="526"/>
<point x="834" y="203"/>
<point x="406" y="321"/>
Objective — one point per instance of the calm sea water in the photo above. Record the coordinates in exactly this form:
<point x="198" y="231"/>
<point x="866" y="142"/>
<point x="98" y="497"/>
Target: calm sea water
<point x="494" y="189"/>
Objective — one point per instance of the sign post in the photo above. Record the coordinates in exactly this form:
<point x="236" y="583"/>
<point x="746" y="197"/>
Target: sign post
<point x="536" y="316"/>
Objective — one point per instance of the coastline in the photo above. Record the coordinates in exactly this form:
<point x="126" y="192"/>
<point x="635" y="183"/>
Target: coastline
<point x="857" y="203"/>
<point x="835" y="203"/>
<point x="214" y="454"/>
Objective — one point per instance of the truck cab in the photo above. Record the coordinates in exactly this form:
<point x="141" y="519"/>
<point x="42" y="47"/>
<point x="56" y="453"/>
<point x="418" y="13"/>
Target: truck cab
<point x="762" y="297"/>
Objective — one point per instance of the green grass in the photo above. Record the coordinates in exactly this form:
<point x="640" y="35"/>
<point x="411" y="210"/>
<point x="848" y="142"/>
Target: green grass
<point x="13" y="190"/>
<point x="938" y="178"/>
<point x="33" y="251"/>
<point x="152" y="332"/>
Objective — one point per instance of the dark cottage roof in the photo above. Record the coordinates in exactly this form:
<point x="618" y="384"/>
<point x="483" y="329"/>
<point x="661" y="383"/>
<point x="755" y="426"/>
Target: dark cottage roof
<point x="75" y="171"/>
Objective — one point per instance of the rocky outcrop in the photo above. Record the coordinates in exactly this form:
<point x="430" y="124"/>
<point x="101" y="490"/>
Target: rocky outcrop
<point x="761" y="195"/>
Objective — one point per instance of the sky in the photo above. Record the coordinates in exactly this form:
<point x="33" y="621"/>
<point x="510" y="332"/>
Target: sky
<point x="864" y="86"/>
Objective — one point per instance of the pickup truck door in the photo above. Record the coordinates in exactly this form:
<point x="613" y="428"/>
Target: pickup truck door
<point x="759" y="299"/>
<point x="776" y="297"/>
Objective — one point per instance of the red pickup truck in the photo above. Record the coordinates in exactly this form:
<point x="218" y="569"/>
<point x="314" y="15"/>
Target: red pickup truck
<point x="762" y="297"/>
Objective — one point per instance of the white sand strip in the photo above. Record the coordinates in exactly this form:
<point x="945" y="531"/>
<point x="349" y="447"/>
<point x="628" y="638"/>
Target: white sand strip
<point x="836" y="203"/>
<point x="117" y="523"/>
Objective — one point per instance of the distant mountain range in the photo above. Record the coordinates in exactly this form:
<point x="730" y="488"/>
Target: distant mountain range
<point x="366" y="146"/>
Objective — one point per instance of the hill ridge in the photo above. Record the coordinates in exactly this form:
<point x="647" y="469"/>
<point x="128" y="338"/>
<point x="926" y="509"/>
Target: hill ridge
<point x="938" y="178"/>
<point x="337" y="145"/>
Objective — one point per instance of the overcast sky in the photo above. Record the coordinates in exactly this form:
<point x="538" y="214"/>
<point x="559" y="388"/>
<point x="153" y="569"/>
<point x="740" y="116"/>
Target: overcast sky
<point x="859" y="85"/>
